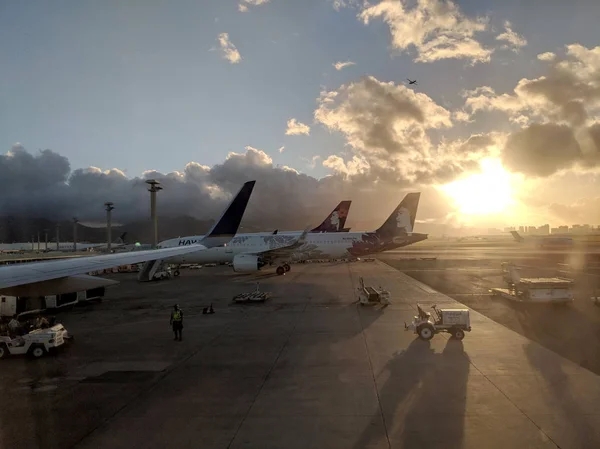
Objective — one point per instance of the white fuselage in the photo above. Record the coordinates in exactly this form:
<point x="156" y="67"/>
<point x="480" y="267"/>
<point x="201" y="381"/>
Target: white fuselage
<point x="316" y="246"/>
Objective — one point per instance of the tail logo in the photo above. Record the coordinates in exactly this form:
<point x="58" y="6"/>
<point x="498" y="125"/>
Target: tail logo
<point x="335" y="220"/>
<point x="403" y="220"/>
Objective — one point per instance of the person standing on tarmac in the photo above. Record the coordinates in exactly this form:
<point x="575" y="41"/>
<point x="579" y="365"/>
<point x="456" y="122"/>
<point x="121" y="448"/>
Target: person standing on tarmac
<point x="177" y="321"/>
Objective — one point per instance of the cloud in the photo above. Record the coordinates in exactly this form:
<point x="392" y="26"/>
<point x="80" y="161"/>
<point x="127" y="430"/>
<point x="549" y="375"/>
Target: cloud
<point x="515" y="41"/>
<point x="340" y="65"/>
<point x="559" y="114"/>
<point x="541" y="150"/>
<point x="568" y="93"/>
<point x="547" y="56"/>
<point x="230" y="52"/>
<point x="435" y="28"/>
<point x="243" y="5"/>
<point x="296" y="128"/>
<point x="43" y="185"/>
<point x="386" y="126"/>
<point x="339" y="4"/>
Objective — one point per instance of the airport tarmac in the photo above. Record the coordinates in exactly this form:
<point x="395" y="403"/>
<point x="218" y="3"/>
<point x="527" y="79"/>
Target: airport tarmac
<point x="310" y="368"/>
<point x="572" y="330"/>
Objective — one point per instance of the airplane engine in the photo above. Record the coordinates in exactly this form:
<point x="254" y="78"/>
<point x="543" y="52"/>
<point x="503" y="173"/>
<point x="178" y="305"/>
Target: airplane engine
<point x="247" y="263"/>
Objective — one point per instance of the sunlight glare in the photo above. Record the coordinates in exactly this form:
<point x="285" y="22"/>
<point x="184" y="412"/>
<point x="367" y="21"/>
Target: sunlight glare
<point x="482" y="193"/>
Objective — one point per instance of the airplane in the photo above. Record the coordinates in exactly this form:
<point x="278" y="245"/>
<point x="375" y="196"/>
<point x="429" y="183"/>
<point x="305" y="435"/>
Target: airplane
<point x="250" y="252"/>
<point x="411" y="81"/>
<point x="543" y="241"/>
<point x="335" y="220"/>
<point x="68" y="275"/>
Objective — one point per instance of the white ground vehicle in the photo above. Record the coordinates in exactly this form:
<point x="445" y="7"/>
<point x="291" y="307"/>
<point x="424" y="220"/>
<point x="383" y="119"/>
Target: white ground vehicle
<point x="36" y="343"/>
<point x="453" y="321"/>
<point x="372" y="295"/>
<point x="533" y="290"/>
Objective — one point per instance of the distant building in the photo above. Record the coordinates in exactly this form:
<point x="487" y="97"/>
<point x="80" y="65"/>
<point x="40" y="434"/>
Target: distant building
<point x="544" y="230"/>
<point x="510" y="229"/>
<point x="521" y="229"/>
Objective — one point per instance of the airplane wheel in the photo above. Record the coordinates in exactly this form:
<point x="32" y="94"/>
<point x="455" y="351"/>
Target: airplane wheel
<point x="176" y="273"/>
<point x="280" y="271"/>
<point x="286" y="267"/>
<point x="3" y="351"/>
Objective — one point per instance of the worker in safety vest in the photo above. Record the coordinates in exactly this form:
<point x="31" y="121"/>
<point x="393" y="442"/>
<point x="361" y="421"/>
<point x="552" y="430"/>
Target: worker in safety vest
<point x="177" y="321"/>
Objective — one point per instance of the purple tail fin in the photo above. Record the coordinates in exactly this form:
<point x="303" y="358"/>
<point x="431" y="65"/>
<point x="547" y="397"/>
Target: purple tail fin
<point x="402" y="220"/>
<point x="336" y="220"/>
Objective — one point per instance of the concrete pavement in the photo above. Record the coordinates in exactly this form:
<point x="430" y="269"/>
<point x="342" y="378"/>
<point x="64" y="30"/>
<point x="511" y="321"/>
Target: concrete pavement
<point x="308" y="369"/>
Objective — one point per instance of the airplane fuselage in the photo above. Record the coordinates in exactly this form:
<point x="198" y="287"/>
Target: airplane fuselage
<point x="316" y="246"/>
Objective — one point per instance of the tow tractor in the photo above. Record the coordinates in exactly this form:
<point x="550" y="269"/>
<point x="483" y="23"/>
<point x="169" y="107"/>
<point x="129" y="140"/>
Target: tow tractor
<point x="372" y="295"/>
<point x="36" y="343"/>
<point x="533" y="290"/>
<point x="453" y="321"/>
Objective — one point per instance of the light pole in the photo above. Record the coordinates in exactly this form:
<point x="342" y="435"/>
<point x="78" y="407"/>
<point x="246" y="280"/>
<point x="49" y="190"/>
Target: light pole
<point x="38" y="235"/>
<point x="57" y="236"/>
<point x="75" y="221"/>
<point x="109" y="207"/>
<point x="154" y="187"/>
<point x="46" y="239"/>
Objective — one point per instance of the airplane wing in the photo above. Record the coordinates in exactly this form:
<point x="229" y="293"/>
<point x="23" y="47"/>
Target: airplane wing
<point x="28" y="273"/>
<point x="283" y="252"/>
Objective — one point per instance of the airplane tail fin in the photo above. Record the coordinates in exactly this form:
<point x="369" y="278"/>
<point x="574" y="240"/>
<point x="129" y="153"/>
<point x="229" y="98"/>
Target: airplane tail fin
<point x="227" y="226"/>
<point x="517" y="237"/>
<point x="336" y="220"/>
<point x="402" y="220"/>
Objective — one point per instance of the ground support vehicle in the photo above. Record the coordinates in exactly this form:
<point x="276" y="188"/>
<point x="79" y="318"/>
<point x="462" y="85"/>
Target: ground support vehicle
<point x="454" y="321"/>
<point x="541" y="290"/>
<point x="372" y="295"/>
<point x="36" y="343"/>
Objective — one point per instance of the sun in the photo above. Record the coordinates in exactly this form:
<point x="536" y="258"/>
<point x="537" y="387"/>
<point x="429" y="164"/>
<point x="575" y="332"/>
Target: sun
<point x="487" y="192"/>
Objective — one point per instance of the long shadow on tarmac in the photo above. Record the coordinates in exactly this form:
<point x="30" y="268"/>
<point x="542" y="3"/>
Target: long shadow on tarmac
<point x="558" y="384"/>
<point x="423" y="400"/>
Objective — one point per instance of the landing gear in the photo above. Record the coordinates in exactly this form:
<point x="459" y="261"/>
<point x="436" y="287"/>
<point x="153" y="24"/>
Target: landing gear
<point x="176" y="273"/>
<point x="286" y="267"/>
<point x="280" y="271"/>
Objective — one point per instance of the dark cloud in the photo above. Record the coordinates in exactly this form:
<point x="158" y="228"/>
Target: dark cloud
<point x="541" y="150"/>
<point x="42" y="185"/>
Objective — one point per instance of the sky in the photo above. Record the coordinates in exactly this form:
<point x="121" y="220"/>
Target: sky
<point x="501" y="127"/>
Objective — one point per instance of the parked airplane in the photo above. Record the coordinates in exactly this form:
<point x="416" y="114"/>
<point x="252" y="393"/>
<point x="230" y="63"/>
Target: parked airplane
<point x="543" y="241"/>
<point x="68" y="275"/>
<point x="336" y="220"/>
<point x="250" y="252"/>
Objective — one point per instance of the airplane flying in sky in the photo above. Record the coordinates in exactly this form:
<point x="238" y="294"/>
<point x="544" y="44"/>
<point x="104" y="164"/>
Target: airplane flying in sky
<point x="411" y="81"/>
<point x="68" y="275"/>
<point x="250" y="252"/>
